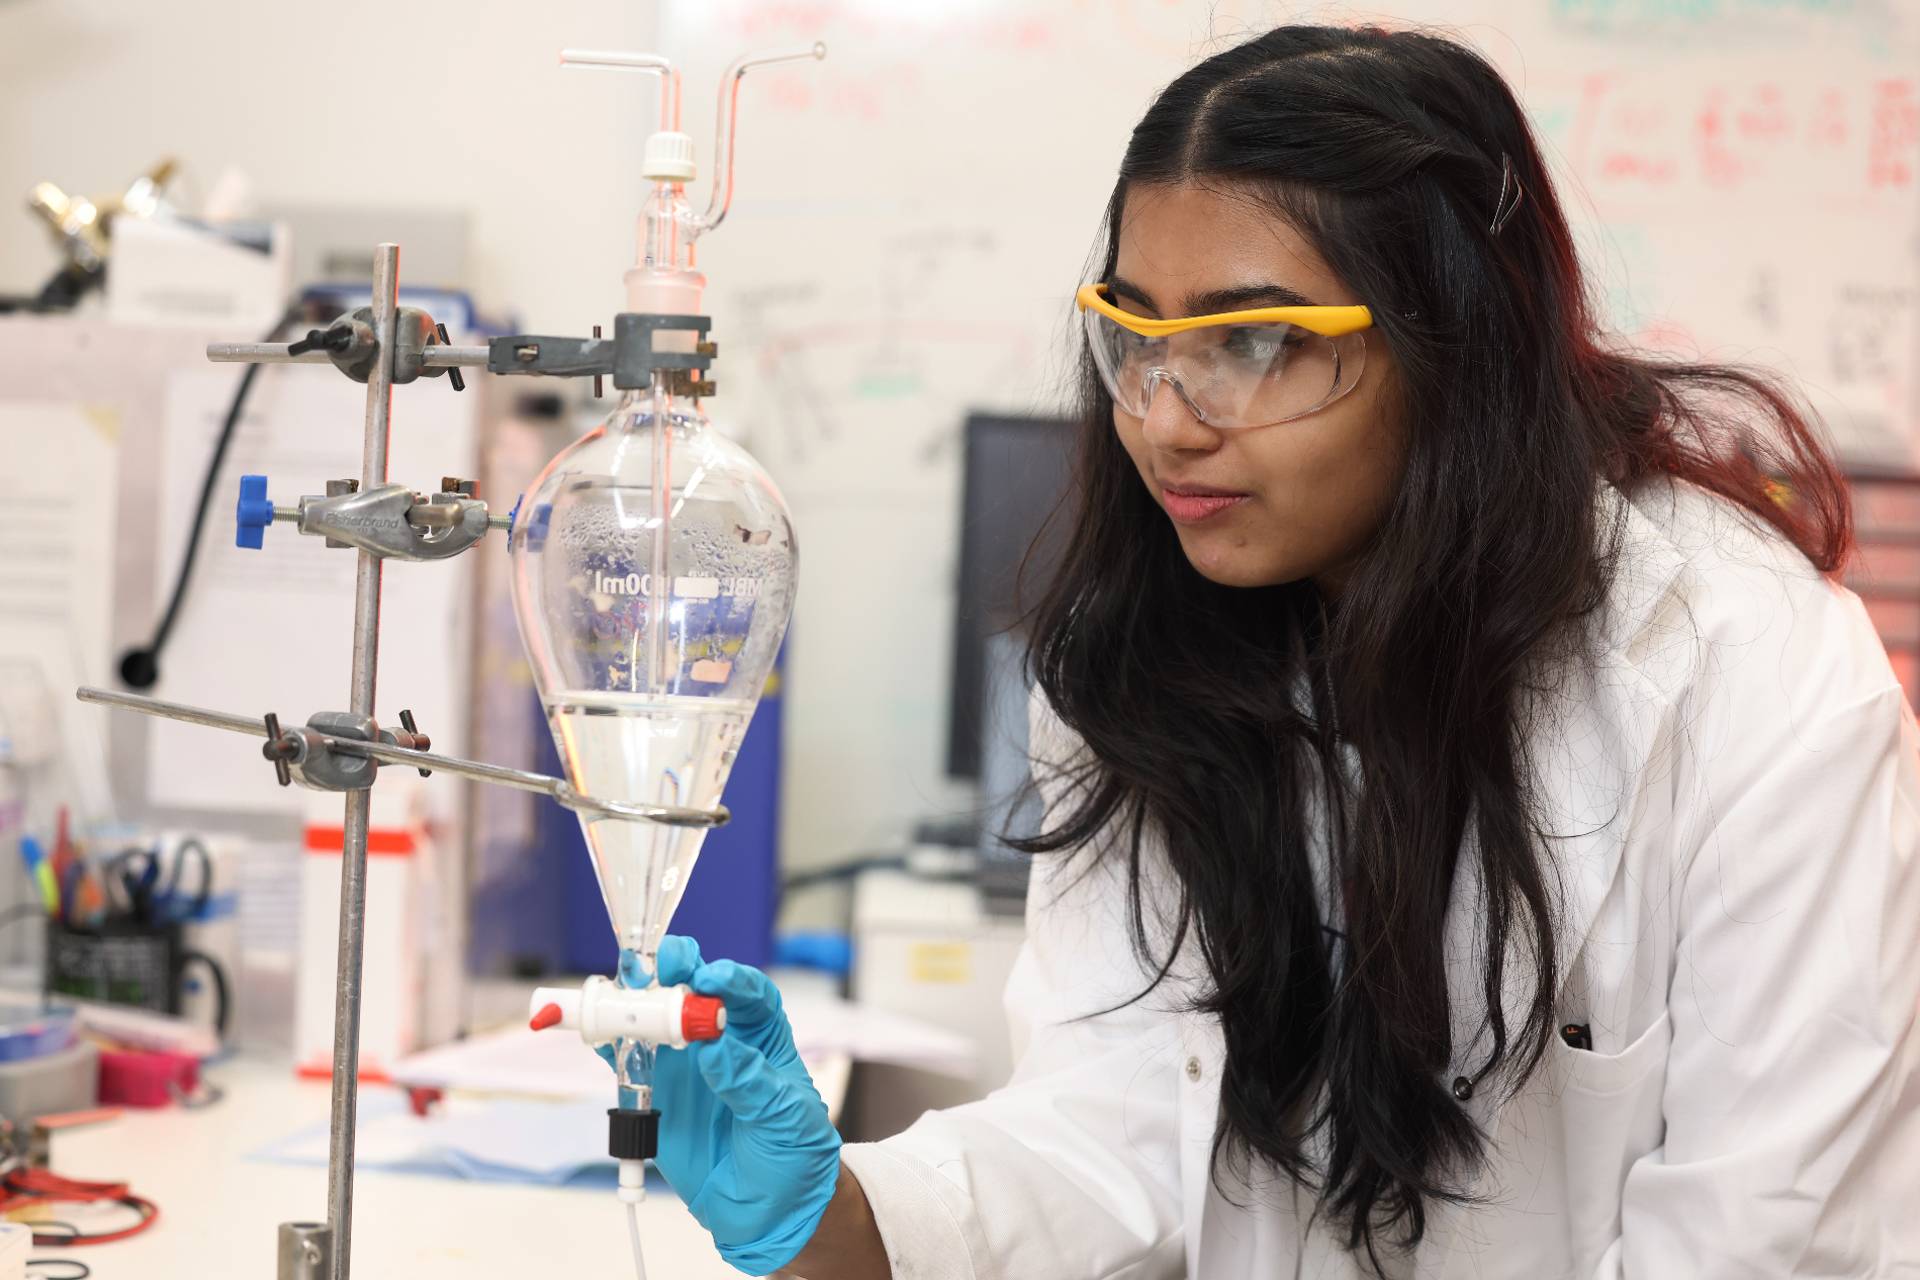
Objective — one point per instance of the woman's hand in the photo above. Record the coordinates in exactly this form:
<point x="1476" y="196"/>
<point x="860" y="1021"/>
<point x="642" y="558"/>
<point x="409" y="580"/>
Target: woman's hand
<point x="744" y="1136"/>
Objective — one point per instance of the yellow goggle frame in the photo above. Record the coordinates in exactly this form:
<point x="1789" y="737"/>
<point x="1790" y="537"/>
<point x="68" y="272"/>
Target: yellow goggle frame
<point x="1328" y="322"/>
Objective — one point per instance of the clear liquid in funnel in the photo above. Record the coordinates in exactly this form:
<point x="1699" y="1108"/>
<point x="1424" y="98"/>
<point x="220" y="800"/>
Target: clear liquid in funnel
<point x="652" y="750"/>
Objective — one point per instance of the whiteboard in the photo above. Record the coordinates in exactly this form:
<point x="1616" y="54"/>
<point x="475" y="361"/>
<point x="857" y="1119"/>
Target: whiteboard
<point x="913" y="215"/>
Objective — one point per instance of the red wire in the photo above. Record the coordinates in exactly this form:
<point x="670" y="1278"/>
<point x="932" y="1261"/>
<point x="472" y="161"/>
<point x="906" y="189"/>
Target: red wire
<point x="43" y="1186"/>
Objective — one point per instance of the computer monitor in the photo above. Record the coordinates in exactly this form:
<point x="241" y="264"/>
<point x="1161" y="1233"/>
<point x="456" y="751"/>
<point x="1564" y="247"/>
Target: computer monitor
<point x="1016" y="472"/>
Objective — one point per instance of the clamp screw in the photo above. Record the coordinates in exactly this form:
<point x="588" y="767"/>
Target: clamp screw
<point x="338" y="338"/>
<point x="252" y="514"/>
<point x="421" y="742"/>
<point x="279" y="748"/>
<point x="453" y="372"/>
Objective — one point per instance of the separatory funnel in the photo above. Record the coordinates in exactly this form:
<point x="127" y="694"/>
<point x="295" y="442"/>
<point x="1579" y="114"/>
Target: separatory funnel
<point x="653" y="564"/>
<point x="653" y="572"/>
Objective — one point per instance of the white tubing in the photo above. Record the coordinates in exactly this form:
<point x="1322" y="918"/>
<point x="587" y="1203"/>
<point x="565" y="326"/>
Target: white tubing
<point x="633" y="1233"/>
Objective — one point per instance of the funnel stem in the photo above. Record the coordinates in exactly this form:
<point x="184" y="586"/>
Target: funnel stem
<point x="633" y="1072"/>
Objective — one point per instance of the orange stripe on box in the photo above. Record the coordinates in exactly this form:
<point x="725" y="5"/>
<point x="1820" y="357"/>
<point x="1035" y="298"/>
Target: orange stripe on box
<point x="324" y="1071"/>
<point x="389" y="842"/>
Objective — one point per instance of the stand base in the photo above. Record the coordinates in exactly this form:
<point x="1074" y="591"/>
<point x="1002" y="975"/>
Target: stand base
<point x="306" y="1251"/>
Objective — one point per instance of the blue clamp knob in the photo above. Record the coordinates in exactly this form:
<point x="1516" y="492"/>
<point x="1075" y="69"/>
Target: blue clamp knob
<point x="253" y="513"/>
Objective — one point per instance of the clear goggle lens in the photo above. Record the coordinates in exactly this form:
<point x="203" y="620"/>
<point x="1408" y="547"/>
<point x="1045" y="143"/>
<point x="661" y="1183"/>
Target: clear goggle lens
<point x="1230" y="375"/>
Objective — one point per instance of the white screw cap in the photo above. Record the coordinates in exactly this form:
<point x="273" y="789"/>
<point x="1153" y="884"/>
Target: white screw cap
<point x="669" y="158"/>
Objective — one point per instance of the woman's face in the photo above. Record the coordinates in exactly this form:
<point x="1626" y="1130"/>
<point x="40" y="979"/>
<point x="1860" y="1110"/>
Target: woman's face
<point x="1265" y="505"/>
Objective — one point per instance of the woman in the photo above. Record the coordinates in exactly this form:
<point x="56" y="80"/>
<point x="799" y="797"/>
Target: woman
<point x="1480" y="835"/>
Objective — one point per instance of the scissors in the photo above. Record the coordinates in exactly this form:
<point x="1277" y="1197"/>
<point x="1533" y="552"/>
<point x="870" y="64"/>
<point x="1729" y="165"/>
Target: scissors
<point x="138" y="873"/>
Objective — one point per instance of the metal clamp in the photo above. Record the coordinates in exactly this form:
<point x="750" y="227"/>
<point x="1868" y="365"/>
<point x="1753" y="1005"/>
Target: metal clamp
<point x="351" y="343"/>
<point x="421" y="350"/>
<point x="317" y="757"/>
<point x="544" y="355"/>
<point x="394" y="522"/>
<point x="305" y="754"/>
<point x="630" y="358"/>
<point x="635" y="360"/>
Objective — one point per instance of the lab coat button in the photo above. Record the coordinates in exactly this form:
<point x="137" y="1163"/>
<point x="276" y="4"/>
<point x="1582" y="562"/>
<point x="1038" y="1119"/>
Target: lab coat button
<point x="1462" y="1088"/>
<point x="1193" y="1068"/>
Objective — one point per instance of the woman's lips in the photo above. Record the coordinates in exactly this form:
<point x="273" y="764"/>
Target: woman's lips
<point x="1191" y="505"/>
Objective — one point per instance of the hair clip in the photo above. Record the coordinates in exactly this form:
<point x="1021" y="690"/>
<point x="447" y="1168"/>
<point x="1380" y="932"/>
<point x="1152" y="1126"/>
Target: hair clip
<point x="1511" y="194"/>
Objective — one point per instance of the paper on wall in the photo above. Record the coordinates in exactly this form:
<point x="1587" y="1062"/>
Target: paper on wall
<point x="57" y="530"/>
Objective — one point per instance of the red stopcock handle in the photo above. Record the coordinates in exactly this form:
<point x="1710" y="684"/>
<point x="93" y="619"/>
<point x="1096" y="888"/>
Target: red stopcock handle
<point x="701" y="1018"/>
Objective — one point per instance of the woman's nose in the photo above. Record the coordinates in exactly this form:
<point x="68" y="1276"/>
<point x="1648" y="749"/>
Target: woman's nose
<point x="1172" y="423"/>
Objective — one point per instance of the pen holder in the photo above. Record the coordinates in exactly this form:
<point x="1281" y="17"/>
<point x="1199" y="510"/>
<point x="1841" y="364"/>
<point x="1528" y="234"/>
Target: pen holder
<point x="127" y="963"/>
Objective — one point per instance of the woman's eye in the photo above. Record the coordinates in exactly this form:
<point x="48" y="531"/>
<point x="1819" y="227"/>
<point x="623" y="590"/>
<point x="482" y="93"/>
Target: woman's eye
<point x="1262" y="342"/>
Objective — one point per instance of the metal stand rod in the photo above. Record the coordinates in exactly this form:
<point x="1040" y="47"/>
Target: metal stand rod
<point x="387" y="753"/>
<point x="353" y="849"/>
<point x="436" y="357"/>
<point x="172" y="710"/>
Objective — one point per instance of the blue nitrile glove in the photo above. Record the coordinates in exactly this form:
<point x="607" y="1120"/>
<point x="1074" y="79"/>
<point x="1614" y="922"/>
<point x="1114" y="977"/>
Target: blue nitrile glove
<point x="744" y="1136"/>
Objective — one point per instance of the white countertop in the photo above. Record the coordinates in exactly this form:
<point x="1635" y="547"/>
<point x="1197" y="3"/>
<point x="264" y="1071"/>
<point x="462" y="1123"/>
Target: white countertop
<point x="220" y="1210"/>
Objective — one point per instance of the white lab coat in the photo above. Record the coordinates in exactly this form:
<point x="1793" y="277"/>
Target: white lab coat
<point x="1735" y="790"/>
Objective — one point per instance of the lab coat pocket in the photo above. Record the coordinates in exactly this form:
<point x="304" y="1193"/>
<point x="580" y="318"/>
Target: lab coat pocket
<point x="1611" y="1116"/>
<point x="1607" y="1075"/>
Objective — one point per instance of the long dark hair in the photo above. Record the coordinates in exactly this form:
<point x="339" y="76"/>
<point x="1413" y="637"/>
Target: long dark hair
<point x="1213" y="716"/>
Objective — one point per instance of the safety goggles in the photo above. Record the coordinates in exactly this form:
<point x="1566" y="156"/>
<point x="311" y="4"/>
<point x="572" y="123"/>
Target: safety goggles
<point x="1235" y="369"/>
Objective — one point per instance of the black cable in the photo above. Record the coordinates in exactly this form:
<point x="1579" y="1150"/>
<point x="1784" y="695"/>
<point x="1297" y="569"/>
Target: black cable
<point x="80" y="1270"/>
<point x="140" y="668"/>
<point x="221" y="995"/>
